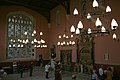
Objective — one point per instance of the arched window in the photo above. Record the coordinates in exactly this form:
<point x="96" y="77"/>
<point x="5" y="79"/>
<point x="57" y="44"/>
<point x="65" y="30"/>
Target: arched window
<point x="58" y="17"/>
<point x="20" y="26"/>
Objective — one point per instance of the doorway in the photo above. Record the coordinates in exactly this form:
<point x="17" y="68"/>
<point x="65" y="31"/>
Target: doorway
<point x="66" y="59"/>
<point x="85" y="60"/>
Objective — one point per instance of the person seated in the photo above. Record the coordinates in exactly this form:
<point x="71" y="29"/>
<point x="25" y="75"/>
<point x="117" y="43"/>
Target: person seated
<point x="4" y="76"/>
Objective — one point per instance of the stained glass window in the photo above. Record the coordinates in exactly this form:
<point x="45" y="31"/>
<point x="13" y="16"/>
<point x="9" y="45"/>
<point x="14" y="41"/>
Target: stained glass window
<point x="17" y="24"/>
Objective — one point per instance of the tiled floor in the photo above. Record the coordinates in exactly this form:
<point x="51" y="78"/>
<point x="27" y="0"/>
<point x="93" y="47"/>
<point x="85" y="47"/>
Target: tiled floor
<point x="39" y="74"/>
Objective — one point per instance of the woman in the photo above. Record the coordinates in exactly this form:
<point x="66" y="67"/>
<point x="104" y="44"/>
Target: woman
<point x="109" y="73"/>
<point x="58" y="73"/>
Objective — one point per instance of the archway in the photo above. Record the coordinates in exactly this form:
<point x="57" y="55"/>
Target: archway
<point x="85" y="53"/>
<point x="85" y="60"/>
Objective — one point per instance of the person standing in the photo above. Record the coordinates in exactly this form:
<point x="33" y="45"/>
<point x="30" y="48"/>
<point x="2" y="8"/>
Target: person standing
<point x="21" y="68"/>
<point x="109" y="73"/>
<point x="58" y="73"/>
<point x="31" y="68"/>
<point x="18" y="66"/>
<point x="40" y="62"/>
<point x="94" y="75"/>
<point x="101" y="73"/>
<point x="47" y="70"/>
<point x="53" y="64"/>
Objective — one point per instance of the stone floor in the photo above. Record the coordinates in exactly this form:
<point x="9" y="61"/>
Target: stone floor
<point x="39" y="74"/>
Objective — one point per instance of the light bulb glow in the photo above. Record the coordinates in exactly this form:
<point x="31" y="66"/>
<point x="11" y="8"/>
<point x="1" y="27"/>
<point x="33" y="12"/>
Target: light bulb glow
<point x="89" y="31"/>
<point x="103" y="29"/>
<point x="98" y="23"/>
<point x="108" y="9"/>
<point x="95" y="4"/>
<point x="80" y="25"/>
<point x="72" y="29"/>
<point x="75" y="12"/>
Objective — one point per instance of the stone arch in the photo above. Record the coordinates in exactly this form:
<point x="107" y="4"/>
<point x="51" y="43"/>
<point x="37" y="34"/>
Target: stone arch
<point x="85" y="55"/>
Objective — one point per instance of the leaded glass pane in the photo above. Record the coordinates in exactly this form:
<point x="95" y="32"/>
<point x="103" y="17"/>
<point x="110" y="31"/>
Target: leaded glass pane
<point x="18" y="24"/>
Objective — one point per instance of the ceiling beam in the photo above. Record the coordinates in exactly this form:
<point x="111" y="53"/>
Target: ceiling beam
<point x="40" y="10"/>
<point x="65" y="4"/>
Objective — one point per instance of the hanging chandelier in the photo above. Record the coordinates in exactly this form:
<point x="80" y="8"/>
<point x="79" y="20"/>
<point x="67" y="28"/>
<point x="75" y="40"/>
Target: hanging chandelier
<point x="38" y="43"/>
<point x="66" y="39"/>
<point x="21" y="42"/>
<point x="100" y="28"/>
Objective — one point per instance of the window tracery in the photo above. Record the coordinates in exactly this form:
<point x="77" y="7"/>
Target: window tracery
<point x="17" y="24"/>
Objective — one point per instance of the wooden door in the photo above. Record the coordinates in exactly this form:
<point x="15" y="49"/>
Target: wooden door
<point x="65" y="56"/>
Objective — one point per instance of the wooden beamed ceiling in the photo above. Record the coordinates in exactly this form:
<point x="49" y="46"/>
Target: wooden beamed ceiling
<point x="41" y="6"/>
